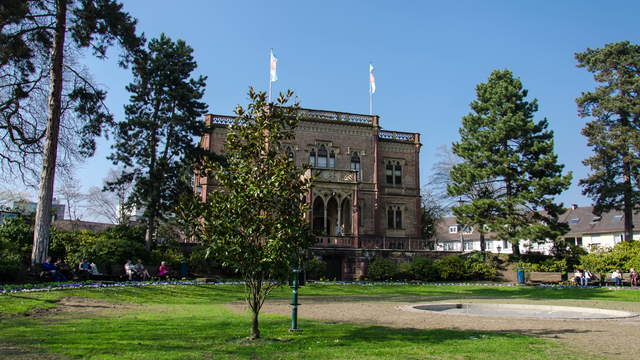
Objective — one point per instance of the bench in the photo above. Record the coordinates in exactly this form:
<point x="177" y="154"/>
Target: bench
<point x="544" y="277"/>
<point x="626" y="279"/>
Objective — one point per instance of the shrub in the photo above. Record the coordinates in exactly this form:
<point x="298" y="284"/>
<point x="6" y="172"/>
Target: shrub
<point x="451" y="267"/>
<point x="623" y="256"/>
<point x="479" y="271"/>
<point x="549" y="264"/>
<point x="315" y="268"/>
<point x="382" y="269"/>
<point x="16" y="237"/>
<point x="201" y="263"/>
<point x="405" y="271"/>
<point x="423" y="269"/>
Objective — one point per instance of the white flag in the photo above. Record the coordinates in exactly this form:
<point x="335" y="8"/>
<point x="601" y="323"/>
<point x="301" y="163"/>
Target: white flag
<point x="372" y="80"/>
<point x="273" y="76"/>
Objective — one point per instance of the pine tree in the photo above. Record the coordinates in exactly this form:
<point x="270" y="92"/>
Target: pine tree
<point x="614" y="131"/>
<point x="38" y="41"/>
<point x="156" y="144"/>
<point x="509" y="173"/>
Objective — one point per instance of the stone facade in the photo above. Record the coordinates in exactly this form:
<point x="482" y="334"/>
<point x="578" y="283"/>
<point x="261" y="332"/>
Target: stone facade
<point x="365" y="195"/>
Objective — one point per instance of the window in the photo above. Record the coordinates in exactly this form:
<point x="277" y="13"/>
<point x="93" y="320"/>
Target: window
<point x="312" y="157"/>
<point x="389" y="173"/>
<point x="394" y="218"/>
<point x="574" y="221"/>
<point x="355" y="164"/>
<point x="595" y="219"/>
<point x="332" y="159"/>
<point x="489" y="245"/>
<point x="467" y="230"/>
<point x="617" y="218"/>
<point x="579" y="241"/>
<point x="393" y="172"/>
<point x="397" y="173"/>
<point x="468" y="245"/>
<point x="453" y="229"/>
<point x="617" y="239"/>
<point x="448" y="246"/>
<point x="322" y="157"/>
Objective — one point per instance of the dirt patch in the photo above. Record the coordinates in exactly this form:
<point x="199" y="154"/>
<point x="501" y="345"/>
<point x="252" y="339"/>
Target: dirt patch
<point x="80" y="306"/>
<point x="613" y="339"/>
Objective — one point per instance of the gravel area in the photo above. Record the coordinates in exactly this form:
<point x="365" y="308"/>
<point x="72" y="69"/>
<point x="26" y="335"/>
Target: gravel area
<point x="612" y="339"/>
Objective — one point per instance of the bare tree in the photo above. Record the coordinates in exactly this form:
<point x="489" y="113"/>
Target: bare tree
<point x="70" y="190"/>
<point x="440" y="179"/>
<point x="112" y="204"/>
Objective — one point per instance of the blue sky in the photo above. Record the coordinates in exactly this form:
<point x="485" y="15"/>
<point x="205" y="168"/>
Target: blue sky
<point x="429" y="56"/>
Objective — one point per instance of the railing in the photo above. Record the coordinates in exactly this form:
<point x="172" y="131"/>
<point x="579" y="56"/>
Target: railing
<point x="334" y="241"/>
<point x="308" y="114"/>
<point x="333" y="175"/>
<point x="372" y="243"/>
<point x="397" y="135"/>
<point x="222" y="120"/>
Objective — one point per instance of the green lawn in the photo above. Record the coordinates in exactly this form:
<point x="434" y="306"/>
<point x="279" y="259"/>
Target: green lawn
<point x="191" y="322"/>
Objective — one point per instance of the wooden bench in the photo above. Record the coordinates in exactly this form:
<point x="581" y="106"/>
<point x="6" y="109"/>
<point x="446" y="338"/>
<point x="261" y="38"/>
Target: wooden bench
<point x="626" y="279"/>
<point x="544" y="277"/>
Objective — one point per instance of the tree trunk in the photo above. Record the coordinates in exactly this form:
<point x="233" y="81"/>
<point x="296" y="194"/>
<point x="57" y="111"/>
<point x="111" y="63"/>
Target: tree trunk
<point x="628" y="205"/>
<point x="483" y="246"/>
<point x="516" y="249"/>
<point x="255" y="329"/>
<point x="47" y="176"/>
<point x="149" y="235"/>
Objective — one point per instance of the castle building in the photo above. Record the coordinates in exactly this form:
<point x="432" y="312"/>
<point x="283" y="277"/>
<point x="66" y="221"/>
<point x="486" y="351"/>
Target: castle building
<point x="365" y="194"/>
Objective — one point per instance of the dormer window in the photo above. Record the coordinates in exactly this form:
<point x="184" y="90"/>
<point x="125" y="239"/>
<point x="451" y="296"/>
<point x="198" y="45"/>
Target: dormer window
<point x="617" y="218"/>
<point x="467" y="230"/>
<point x="574" y="221"/>
<point x="453" y="229"/>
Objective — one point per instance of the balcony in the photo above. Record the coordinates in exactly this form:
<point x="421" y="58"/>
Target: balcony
<point x="333" y="175"/>
<point x="406" y="244"/>
<point x="399" y="136"/>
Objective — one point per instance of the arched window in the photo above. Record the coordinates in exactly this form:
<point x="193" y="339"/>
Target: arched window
<point x="332" y="160"/>
<point x="398" y="218"/>
<point x="397" y="173"/>
<point x="290" y="154"/>
<point x="389" y="173"/>
<point x="312" y="157"/>
<point x="355" y="164"/>
<point x="322" y="157"/>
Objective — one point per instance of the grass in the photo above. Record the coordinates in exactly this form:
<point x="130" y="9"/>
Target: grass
<point x="191" y="322"/>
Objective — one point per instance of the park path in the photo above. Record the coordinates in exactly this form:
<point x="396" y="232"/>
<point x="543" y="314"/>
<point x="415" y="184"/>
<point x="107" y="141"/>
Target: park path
<point x="612" y="339"/>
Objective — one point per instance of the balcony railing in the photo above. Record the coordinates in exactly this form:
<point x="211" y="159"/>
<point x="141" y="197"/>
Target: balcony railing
<point x="334" y="241"/>
<point x="371" y="243"/>
<point x="334" y="175"/>
<point x="308" y="114"/>
<point x="397" y="135"/>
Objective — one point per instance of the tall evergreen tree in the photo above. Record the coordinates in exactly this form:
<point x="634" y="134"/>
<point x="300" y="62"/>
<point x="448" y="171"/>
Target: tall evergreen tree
<point x="156" y="143"/>
<point x="38" y="41"/>
<point x="509" y="174"/>
<point x="614" y="131"/>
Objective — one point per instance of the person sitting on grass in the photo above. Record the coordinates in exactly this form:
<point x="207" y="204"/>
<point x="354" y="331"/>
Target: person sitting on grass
<point x="130" y="269"/>
<point x="616" y="276"/>
<point x="141" y="270"/>
<point x="163" y="270"/>
<point x="53" y="270"/>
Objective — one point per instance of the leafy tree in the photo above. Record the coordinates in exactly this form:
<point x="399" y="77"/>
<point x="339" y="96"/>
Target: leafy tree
<point x="509" y="172"/>
<point x="614" y="131"/>
<point x="155" y="144"/>
<point x="15" y="246"/>
<point x="254" y="219"/>
<point x="39" y="42"/>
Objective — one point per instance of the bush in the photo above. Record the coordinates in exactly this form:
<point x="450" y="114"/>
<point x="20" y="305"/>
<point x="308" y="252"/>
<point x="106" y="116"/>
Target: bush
<point x="382" y="269"/>
<point x="623" y="256"/>
<point x="315" y="268"/>
<point x="479" y="271"/>
<point x="451" y="267"/>
<point x="201" y="263"/>
<point x="16" y="238"/>
<point x="550" y="264"/>
<point x="423" y="269"/>
<point x="405" y="271"/>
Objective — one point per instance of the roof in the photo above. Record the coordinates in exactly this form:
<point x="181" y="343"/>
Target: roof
<point x="581" y="220"/>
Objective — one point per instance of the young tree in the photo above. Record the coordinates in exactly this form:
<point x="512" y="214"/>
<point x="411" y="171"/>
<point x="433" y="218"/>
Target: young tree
<point x="509" y="173"/>
<point x="254" y="220"/>
<point x="614" y="131"/>
<point x="37" y="38"/>
<point x="156" y="143"/>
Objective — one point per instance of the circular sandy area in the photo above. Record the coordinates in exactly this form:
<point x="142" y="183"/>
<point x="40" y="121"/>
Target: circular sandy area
<point x="612" y="339"/>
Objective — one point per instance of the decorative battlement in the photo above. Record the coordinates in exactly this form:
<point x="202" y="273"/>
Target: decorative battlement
<point x="309" y="115"/>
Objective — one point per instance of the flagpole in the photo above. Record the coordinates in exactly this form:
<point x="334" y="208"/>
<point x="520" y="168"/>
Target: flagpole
<point x="370" y="92"/>
<point x="270" y="52"/>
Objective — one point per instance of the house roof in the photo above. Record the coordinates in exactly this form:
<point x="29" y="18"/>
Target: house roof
<point x="581" y="220"/>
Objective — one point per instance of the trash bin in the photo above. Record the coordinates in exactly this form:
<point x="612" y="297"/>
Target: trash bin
<point x="184" y="269"/>
<point x="520" y="276"/>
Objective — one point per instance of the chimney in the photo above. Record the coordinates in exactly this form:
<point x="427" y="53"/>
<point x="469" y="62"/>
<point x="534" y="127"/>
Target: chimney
<point x="574" y="206"/>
